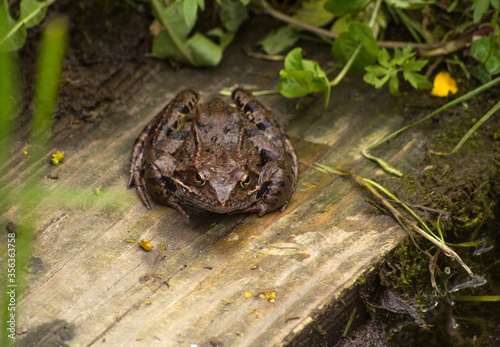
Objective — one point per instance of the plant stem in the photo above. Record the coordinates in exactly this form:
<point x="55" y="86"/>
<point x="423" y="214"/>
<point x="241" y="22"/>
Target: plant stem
<point x="477" y="125"/>
<point x="347" y="66"/>
<point x="373" y="18"/>
<point x="287" y="19"/>
<point x="437" y="48"/>
<point x="175" y="40"/>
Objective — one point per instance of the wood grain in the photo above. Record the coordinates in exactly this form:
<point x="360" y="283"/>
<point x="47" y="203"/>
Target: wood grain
<point x="92" y="287"/>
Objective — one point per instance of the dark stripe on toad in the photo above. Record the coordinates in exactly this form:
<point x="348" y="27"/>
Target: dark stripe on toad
<point x="267" y="184"/>
<point x="251" y="132"/>
<point x="263" y="125"/>
<point x="180" y="135"/>
<point x="251" y="107"/>
<point x="167" y="131"/>
<point x="169" y="183"/>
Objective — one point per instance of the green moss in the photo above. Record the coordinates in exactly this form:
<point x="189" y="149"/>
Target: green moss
<point x="466" y="186"/>
<point x="406" y="270"/>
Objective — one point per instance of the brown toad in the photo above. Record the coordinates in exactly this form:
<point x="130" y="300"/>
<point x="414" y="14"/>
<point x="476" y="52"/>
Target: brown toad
<point x="214" y="157"/>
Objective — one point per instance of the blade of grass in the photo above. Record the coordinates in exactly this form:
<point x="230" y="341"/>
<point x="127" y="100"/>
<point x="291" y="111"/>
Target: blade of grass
<point x="430" y="115"/>
<point x="50" y="62"/>
<point x="6" y="138"/>
<point x="478" y="298"/>
<point x="406" y="224"/>
<point x="477" y="125"/>
<point x="414" y="215"/>
<point x="52" y="52"/>
<point x="349" y="323"/>
<point x="8" y="101"/>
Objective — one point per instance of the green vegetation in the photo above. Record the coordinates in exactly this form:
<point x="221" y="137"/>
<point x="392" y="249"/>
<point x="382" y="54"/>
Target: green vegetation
<point x="467" y="41"/>
<point x="50" y="62"/>
<point x="13" y="32"/>
<point x="355" y="32"/>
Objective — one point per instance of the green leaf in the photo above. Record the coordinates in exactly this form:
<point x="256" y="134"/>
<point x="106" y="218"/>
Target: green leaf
<point x="10" y="39"/>
<point x="409" y="4"/>
<point x="314" y="13"/>
<point x="343" y="48"/>
<point x="493" y="63"/>
<point x="362" y="33"/>
<point x="232" y="13"/>
<point x="481" y="49"/>
<point x="279" y="40"/>
<point x="377" y="70"/>
<point x="294" y="84"/>
<point x="319" y="81"/>
<point x="163" y="47"/>
<point x="415" y="65"/>
<point x="372" y="78"/>
<point x="171" y="43"/>
<point x="384" y="58"/>
<point x="190" y="9"/>
<point x="418" y="81"/>
<point x="224" y="38"/>
<point x="480" y="7"/>
<point x="342" y="7"/>
<point x="394" y="85"/>
<point x="388" y="70"/>
<point x="302" y="76"/>
<point x="402" y="56"/>
<point x="32" y="12"/>
<point x="13" y="33"/>
<point x="293" y="60"/>
<point x="174" y="15"/>
<point x="480" y="72"/>
<point x="205" y="51"/>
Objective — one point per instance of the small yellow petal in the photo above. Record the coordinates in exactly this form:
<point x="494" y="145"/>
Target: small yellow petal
<point x="443" y="85"/>
<point x="145" y="244"/>
<point x="57" y="158"/>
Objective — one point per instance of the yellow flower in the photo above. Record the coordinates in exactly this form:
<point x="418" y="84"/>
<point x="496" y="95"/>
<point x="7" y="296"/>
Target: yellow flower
<point x="57" y="158"/>
<point x="443" y="84"/>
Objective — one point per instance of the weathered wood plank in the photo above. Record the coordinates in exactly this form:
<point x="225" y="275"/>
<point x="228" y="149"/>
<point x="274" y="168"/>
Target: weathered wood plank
<point x="91" y="286"/>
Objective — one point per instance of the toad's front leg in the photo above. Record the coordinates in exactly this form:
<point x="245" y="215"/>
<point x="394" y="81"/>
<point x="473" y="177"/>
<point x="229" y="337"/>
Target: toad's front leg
<point x="277" y="184"/>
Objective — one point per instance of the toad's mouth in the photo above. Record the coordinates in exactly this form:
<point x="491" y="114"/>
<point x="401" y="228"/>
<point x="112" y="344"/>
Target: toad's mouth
<point x="221" y="201"/>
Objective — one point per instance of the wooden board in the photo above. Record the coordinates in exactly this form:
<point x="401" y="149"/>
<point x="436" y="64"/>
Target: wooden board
<point x="89" y="286"/>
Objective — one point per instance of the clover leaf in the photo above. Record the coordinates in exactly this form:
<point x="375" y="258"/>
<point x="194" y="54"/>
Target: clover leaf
<point x="346" y="44"/>
<point x="302" y="76"/>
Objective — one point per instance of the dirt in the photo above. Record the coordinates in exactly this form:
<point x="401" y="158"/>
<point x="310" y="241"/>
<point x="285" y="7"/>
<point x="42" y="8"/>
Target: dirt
<point x="105" y="37"/>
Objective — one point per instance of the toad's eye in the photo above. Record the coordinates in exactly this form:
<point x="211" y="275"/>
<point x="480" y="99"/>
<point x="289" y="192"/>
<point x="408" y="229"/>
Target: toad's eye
<point x="245" y="181"/>
<point x="200" y="179"/>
